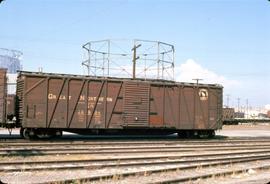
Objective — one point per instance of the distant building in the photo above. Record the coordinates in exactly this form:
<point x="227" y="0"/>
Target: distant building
<point x="239" y="115"/>
<point x="262" y="116"/>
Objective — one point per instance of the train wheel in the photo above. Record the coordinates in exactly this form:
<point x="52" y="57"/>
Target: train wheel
<point x="186" y="134"/>
<point x="49" y="134"/>
<point x="58" y="134"/>
<point x="26" y="133"/>
<point x="203" y="134"/>
<point x="29" y="133"/>
<point x="189" y="134"/>
<point x="199" y="135"/>
<point x="42" y="135"/>
<point x="21" y="132"/>
<point x="181" y="135"/>
<point x="211" y="134"/>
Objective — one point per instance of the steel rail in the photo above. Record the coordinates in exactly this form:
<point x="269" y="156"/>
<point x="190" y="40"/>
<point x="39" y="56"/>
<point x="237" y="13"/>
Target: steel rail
<point x="76" y="147"/>
<point x="93" y="142"/>
<point x="131" y="149"/>
<point x="213" y="174"/>
<point x="121" y="158"/>
<point x="168" y="169"/>
<point x="36" y="152"/>
<point x="84" y="164"/>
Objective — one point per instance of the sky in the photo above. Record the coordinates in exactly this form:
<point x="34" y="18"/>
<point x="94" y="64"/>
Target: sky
<point x="225" y="41"/>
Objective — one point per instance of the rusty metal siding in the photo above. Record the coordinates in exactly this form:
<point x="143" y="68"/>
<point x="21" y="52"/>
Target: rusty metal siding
<point x="136" y="104"/>
<point x="215" y="109"/>
<point x="34" y="98"/>
<point x="10" y="104"/>
<point x="114" y="105"/>
<point x="185" y="107"/>
<point x="96" y="104"/>
<point x="171" y="105"/>
<point x="201" y="107"/>
<point x="65" y="101"/>
<point x="156" y="110"/>
<point x="3" y="94"/>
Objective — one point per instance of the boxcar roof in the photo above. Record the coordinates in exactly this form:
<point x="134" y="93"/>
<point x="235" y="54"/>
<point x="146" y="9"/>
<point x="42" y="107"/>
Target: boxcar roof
<point x="115" y="79"/>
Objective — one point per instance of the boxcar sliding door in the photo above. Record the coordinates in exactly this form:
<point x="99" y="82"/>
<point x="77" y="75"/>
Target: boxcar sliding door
<point x="136" y="104"/>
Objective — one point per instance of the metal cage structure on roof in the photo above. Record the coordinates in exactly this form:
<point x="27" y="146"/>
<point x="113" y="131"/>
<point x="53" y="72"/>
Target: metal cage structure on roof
<point x="142" y="59"/>
<point x="10" y="59"/>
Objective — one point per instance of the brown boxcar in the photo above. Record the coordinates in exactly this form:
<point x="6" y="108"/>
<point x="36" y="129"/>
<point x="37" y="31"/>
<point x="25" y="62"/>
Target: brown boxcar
<point x="10" y="106"/>
<point x="3" y="92"/>
<point x="228" y="113"/>
<point x="51" y="103"/>
<point x="228" y="116"/>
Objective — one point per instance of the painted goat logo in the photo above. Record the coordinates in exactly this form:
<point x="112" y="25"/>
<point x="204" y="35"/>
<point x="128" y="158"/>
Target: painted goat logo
<point x="203" y="94"/>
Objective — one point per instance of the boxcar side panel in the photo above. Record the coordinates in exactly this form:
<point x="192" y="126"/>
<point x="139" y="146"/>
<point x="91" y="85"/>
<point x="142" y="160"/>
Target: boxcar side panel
<point x="171" y="106"/>
<point x="156" y="109"/>
<point x="55" y="101"/>
<point x="34" y="102"/>
<point x="10" y="104"/>
<point x="62" y="102"/>
<point x="3" y="94"/>
<point x="114" y="105"/>
<point x="187" y="108"/>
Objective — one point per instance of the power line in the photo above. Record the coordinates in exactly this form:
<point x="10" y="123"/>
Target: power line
<point x="37" y="40"/>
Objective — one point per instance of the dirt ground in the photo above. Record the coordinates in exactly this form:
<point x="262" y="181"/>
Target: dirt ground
<point x="245" y="130"/>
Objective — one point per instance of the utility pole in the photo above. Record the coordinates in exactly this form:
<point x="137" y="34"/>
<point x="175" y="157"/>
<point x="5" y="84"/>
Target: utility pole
<point x="238" y="104"/>
<point x="134" y="49"/>
<point x="197" y="81"/>
<point x="247" y="107"/>
<point x="228" y="100"/>
<point x="40" y="69"/>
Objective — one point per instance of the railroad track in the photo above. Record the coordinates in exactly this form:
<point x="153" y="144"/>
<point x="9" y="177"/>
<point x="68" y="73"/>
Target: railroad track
<point x="88" y="147"/>
<point x="128" y="142"/>
<point x="132" y="147"/>
<point x="127" y="162"/>
<point x="131" y="150"/>
<point x="143" y="169"/>
<point x="144" y="172"/>
<point x="214" y="174"/>
<point x="110" y="162"/>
